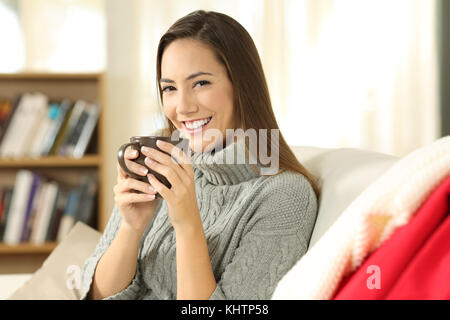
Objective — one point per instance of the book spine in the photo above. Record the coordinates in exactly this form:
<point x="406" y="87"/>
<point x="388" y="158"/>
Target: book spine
<point x="43" y="131"/>
<point x="1" y="203"/>
<point x="62" y="133"/>
<point x="29" y="208"/>
<point x="24" y="179"/>
<point x="57" y="215"/>
<point x="7" y="120"/>
<point x="68" y="219"/>
<point x="74" y="118"/>
<point x="35" y="117"/>
<point x="88" y="191"/>
<point x="57" y="126"/>
<point x="13" y="132"/>
<point x="34" y="211"/>
<point x="38" y="212"/>
<point x="47" y="209"/>
<point x="86" y="132"/>
<point x="7" y="196"/>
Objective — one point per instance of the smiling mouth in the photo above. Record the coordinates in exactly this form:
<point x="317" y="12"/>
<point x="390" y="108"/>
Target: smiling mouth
<point x="197" y="125"/>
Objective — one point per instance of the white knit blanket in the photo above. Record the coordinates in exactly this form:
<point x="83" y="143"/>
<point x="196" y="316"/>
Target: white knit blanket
<point x="388" y="203"/>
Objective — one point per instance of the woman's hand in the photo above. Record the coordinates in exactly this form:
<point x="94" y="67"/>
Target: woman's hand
<point x="181" y="197"/>
<point x="137" y="209"/>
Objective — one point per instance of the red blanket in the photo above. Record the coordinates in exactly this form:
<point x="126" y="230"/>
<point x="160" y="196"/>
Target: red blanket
<point x="414" y="263"/>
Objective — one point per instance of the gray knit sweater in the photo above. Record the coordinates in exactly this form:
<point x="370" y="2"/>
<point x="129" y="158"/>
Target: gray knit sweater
<point x="257" y="227"/>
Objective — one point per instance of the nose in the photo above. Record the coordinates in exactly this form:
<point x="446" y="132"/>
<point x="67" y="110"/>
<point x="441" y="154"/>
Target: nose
<point x="185" y="104"/>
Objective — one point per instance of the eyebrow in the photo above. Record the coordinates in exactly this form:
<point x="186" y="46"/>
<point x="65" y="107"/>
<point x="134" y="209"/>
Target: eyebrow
<point x="192" y="76"/>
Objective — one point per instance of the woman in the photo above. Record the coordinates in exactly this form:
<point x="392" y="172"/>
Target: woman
<point x="223" y="230"/>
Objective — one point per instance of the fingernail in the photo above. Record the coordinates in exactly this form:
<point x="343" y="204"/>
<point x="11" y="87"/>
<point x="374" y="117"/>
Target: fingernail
<point x="151" y="189"/>
<point x="145" y="149"/>
<point x="144" y="171"/>
<point x="134" y="153"/>
<point x="160" y="143"/>
<point x="149" y="176"/>
<point x="151" y="196"/>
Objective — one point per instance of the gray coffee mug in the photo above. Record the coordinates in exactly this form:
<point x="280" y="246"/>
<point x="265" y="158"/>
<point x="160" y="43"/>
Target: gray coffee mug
<point x="136" y="143"/>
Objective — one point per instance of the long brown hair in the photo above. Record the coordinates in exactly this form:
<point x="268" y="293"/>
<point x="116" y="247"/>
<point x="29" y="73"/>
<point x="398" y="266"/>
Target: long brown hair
<point x="235" y="49"/>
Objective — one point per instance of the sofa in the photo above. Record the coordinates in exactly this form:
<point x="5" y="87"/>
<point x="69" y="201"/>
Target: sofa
<point x="342" y="174"/>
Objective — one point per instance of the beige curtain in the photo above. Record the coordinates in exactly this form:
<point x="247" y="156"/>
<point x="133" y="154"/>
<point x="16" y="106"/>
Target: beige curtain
<point x="362" y="74"/>
<point x="61" y="35"/>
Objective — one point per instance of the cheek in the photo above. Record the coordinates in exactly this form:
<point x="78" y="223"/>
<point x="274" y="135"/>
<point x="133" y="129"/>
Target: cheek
<point x="220" y="103"/>
<point x="169" y="110"/>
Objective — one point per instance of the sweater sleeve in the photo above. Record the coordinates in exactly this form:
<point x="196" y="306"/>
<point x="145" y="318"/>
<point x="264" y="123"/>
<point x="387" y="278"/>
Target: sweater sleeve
<point x="277" y="237"/>
<point x="134" y="289"/>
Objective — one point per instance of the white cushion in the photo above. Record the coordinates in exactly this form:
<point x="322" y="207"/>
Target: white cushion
<point x="342" y="175"/>
<point x="60" y="275"/>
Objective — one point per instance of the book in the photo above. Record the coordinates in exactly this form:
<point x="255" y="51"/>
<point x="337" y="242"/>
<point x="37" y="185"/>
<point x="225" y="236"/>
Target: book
<point x="14" y="127"/>
<point x="17" y="210"/>
<point x="77" y="112"/>
<point x="34" y="222"/>
<point x="43" y="130"/>
<point x="23" y="124"/>
<point x="6" y="114"/>
<point x="58" y="212"/>
<point x="88" y="191"/>
<point x="1" y="203"/>
<point x="38" y="111"/>
<point x="6" y="201"/>
<point x="34" y="190"/>
<point x="42" y="223"/>
<point x="62" y="133"/>
<point x="36" y="205"/>
<point x="70" y="212"/>
<point x="78" y="149"/>
<point x="59" y="118"/>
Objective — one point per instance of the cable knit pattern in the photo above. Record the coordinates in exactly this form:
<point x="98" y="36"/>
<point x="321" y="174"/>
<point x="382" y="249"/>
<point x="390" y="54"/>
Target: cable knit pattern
<point x="388" y="203"/>
<point x="256" y="228"/>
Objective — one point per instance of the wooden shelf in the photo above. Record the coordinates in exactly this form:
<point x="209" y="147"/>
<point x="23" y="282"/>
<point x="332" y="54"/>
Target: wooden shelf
<point x="28" y="248"/>
<point x="52" y="161"/>
<point x="65" y="170"/>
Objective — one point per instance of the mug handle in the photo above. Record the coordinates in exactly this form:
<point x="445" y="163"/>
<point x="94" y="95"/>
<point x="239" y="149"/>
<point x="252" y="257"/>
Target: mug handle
<point x="120" y="158"/>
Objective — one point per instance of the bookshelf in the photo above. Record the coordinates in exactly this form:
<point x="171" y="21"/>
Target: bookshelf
<point x="28" y="257"/>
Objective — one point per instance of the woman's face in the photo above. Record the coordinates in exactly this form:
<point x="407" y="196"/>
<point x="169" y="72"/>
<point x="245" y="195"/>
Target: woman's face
<point x="195" y="86"/>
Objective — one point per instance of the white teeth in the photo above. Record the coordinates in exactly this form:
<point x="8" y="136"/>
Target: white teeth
<point x="197" y="124"/>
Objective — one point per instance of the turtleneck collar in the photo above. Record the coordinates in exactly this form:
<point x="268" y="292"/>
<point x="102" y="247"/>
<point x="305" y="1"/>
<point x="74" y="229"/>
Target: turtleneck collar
<point x="227" y="166"/>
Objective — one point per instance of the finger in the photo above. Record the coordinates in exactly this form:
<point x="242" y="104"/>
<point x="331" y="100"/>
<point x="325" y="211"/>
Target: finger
<point x="167" y="171"/>
<point x="182" y="159"/>
<point x="131" y="153"/>
<point x="159" y="187"/>
<point x="135" y="197"/>
<point x="136" y="168"/>
<point x="130" y="184"/>
<point x="121" y="174"/>
<point x="175" y="152"/>
<point x="157" y="156"/>
<point x="140" y="170"/>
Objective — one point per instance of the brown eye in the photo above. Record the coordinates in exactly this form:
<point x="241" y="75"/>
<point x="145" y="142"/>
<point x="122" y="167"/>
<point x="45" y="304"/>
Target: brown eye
<point x="202" y="83"/>
<point x="167" y="88"/>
